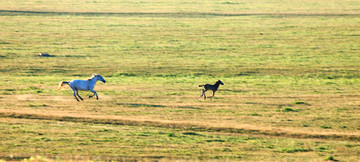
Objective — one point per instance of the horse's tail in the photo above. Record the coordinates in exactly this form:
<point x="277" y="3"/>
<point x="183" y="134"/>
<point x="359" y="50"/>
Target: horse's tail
<point x="201" y="85"/>
<point x="62" y="84"/>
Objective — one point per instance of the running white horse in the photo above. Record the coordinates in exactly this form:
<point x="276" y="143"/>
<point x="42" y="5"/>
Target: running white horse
<point x="83" y="85"/>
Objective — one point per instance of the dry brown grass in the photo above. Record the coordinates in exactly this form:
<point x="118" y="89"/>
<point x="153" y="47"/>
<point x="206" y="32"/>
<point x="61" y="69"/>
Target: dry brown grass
<point x="224" y="122"/>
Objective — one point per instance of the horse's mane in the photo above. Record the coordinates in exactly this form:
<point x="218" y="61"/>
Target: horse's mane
<point x="92" y="77"/>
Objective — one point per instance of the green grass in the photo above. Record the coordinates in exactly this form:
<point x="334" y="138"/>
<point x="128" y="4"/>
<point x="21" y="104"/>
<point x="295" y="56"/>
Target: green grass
<point x="87" y="141"/>
<point x="291" y="74"/>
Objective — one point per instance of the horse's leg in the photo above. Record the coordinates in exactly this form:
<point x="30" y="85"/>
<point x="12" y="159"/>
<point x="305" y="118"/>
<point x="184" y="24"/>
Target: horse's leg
<point x="212" y="96"/>
<point x="77" y="93"/>
<point x="94" y="94"/>
<point x="204" y="94"/>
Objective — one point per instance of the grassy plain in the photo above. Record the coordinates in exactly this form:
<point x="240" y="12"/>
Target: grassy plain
<point x="291" y="73"/>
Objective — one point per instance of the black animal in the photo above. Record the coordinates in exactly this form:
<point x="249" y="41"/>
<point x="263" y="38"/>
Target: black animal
<point x="210" y="87"/>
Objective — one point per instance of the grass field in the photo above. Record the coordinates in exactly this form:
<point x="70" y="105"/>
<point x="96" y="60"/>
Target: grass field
<point x="290" y="68"/>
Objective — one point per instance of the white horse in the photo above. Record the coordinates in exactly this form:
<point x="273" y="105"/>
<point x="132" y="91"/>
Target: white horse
<point x="83" y="85"/>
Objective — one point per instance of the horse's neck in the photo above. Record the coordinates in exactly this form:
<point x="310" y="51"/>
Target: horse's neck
<point x="216" y="85"/>
<point x="93" y="80"/>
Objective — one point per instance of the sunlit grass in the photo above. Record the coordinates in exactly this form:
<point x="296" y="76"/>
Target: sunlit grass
<point x="290" y="69"/>
<point x="84" y="141"/>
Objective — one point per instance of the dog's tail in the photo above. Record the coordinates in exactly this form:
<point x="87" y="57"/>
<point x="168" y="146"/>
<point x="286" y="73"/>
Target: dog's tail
<point x="62" y="84"/>
<point x="201" y="85"/>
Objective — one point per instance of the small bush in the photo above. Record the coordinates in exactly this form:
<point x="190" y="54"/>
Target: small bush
<point x="215" y="140"/>
<point x="289" y="109"/>
<point x="293" y="150"/>
<point x="325" y="127"/>
<point x="331" y="158"/>
<point x="321" y="149"/>
<point x="40" y="105"/>
<point x="254" y="114"/>
<point x="192" y="133"/>
<point x="171" y="134"/>
<point x="226" y="150"/>
<point x="299" y="102"/>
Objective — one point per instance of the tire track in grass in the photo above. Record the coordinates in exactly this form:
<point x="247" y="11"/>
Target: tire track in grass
<point x="115" y="120"/>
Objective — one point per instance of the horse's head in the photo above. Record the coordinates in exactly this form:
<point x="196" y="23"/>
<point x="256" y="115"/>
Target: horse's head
<point x="99" y="77"/>
<point x="220" y="82"/>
